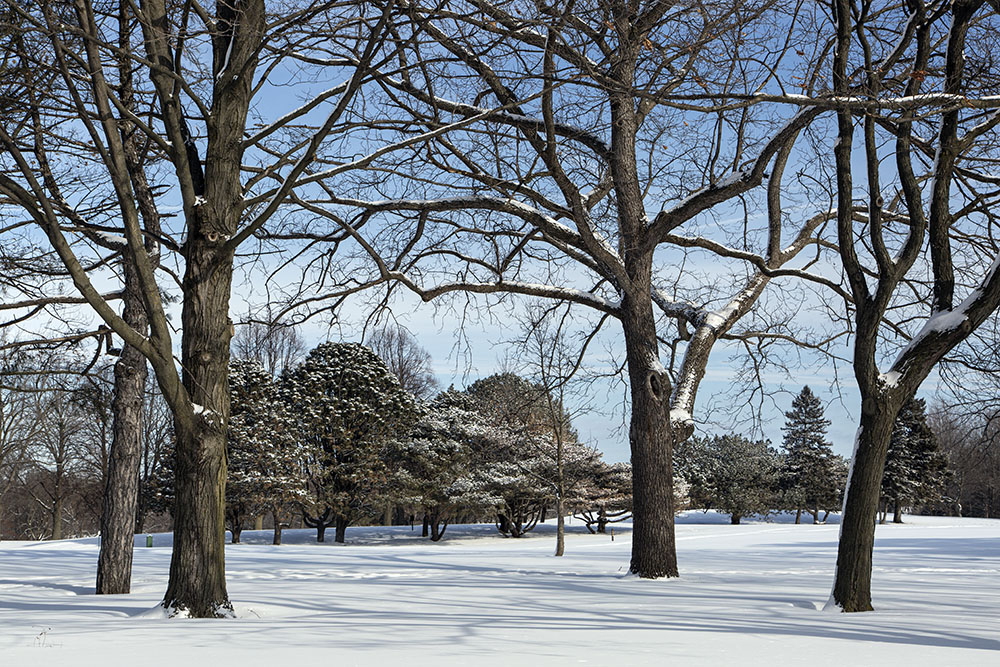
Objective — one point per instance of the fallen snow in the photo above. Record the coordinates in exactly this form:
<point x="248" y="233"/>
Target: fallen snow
<point x="748" y="595"/>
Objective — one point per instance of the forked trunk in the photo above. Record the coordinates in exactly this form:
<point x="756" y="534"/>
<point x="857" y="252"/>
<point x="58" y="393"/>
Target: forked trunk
<point x="653" y="548"/>
<point x="852" y="587"/>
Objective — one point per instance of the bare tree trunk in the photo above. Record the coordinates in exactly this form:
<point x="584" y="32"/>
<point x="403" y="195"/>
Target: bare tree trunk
<point x="897" y="511"/>
<point x="121" y="495"/>
<point x="341" y="527"/>
<point x="258" y="522"/>
<point x="276" y="540"/>
<point x="198" y="566"/>
<point x="560" y="528"/>
<point x="798" y="515"/>
<point x="852" y="588"/>
<point x="427" y="526"/>
<point x="734" y="519"/>
<point x="57" y="514"/>
<point x="653" y="548"/>
<point x="120" y="514"/>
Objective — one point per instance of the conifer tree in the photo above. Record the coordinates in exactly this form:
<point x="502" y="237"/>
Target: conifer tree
<point x="809" y="471"/>
<point x="263" y="450"/>
<point x="916" y="471"/>
<point x="349" y="406"/>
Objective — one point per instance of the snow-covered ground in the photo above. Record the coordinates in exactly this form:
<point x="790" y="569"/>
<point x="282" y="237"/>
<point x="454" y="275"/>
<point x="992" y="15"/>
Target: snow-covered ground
<point x="748" y="595"/>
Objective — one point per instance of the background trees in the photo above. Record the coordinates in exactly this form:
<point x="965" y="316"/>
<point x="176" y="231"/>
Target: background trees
<point x="265" y="450"/>
<point x="348" y="405"/>
<point x="809" y="468"/>
<point x="735" y="475"/>
<point x="916" y="472"/>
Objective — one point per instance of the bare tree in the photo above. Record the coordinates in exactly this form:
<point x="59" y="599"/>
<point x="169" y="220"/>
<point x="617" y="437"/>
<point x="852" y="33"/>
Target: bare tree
<point x="901" y="71"/>
<point x="569" y="173"/>
<point x="197" y="73"/>
<point x="404" y="356"/>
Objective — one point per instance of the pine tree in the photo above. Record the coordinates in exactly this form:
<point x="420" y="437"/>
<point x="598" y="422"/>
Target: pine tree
<point x="809" y="472"/>
<point x="916" y="471"/>
<point x="735" y="475"/>
<point x="349" y="405"/>
<point x="434" y="465"/>
<point x="263" y="449"/>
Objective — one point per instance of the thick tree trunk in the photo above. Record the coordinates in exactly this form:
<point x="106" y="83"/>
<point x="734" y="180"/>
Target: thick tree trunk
<point x="427" y="526"/>
<point x="852" y="586"/>
<point x="438" y="527"/>
<point x="341" y="527"/>
<point x="258" y="522"/>
<point x="734" y="519"/>
<point x="897" y="511"/>
<point x="236" y="531"/>
<point x="798" y="515"/>
<point x="653" y="548"/>
<point x="197" y="583"/>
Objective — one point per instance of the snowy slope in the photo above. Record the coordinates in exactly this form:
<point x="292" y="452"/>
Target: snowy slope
<point x="749" y="595"/>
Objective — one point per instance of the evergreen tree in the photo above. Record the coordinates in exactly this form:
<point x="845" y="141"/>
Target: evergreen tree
<point x="434" y="466"/>
<point x="916" y="471"/>
<point x="737" y="476"/>
<point x="809" y="468"/>
<point x="263" y="450"/>
<point x="349" y="406"/>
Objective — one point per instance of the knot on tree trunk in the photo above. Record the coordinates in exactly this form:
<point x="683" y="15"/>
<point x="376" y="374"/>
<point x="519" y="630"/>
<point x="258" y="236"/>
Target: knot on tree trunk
<point x="659" y="385"/>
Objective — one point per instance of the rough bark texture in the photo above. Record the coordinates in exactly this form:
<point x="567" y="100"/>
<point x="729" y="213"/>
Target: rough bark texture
<point x="121" y="494"/>
<point x="197" y="569"/>
<point x="653" y="548"/>
<point x="852" y="588"/>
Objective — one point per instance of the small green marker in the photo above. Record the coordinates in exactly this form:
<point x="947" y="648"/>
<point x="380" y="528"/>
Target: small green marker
<point x="149" y="540"/>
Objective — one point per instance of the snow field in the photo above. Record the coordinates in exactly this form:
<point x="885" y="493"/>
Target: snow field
<point x="748" y="595"/>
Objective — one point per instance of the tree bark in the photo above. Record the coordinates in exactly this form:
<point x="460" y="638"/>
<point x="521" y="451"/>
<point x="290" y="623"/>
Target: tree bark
<point x="341" y="527"/>
<point x="276" y="540"/>
<point x="852" y="588"/>
<point x="560" y="528"/>
<point x="57" y="514"/>
<point x="653" y="548"/>
<point x="798" y="515"/>
<point x="734" y="519"/>
<point x="121" y="494"/>
<point x="427" y="526"/>
<point x="258" y="522"/>
<point x="197" y="583"/>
